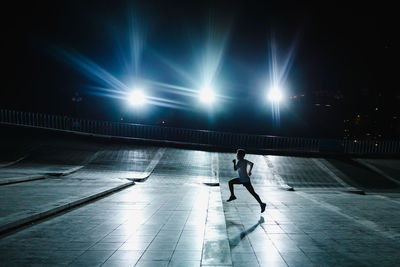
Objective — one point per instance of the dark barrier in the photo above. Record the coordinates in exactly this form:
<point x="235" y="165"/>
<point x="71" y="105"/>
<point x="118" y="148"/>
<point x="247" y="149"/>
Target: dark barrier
<point x="201" y="137"/>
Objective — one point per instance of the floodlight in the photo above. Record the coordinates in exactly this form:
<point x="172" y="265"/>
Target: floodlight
<point x="137" y="97"/>
<point x="207" y="95"/>
<point x="275" y="94"/>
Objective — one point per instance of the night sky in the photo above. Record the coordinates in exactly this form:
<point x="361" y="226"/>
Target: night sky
<point x="342" y="55"/>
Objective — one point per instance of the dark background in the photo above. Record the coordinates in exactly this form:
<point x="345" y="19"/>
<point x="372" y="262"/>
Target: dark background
<point x="345" y="62"/>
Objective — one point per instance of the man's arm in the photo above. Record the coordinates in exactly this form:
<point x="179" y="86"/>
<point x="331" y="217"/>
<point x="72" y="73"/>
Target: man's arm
<point x="234" y="165"/>
<point x="251" y="167"/>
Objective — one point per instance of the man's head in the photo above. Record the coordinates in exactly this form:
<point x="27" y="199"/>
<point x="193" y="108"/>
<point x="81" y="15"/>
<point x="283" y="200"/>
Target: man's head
<point x="240" y="153"/>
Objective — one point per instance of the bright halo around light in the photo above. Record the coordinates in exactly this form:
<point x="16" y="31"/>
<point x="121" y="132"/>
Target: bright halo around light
<point x="207" y="95"/>
<point x="137" y="97"/>
<point x="275" y="94"/>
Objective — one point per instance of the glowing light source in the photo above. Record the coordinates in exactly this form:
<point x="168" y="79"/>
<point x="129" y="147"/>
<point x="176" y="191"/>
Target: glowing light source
<point x="137" y="97"/>
<point x="275" y="94"/>
<point x="207" y="95"/>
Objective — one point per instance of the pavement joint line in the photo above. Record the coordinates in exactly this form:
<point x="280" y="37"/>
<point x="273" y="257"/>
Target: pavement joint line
<point x="331" y="174"/>
<point x="206" y="247"/>
<point x="322" y="164"/>
<point x="150" y="168"/>
<point x="277" y="178"/>
<point x="21" y="179"/>
<point x="152" y="240"/>
<point x="377" y="170"/>
<point x="316" y="189"/>
<point x="12" y="162"/>
<point x="386" y="198"/>
<point x="214" y="177"/>
<point x="215" y="167"/>
<point x="331" y="189"/>
<point x="180" y="236"/>
<point x="77" y="168"/>
<point x="91" y="158"/>
<point x="70" y="171"/>
<point x="15" y="180"/>
<point x="363" y="222"/>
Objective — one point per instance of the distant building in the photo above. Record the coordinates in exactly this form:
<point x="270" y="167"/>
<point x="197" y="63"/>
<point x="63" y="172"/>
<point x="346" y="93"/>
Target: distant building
<point x="372" y="125"/>
<point x="368" y="116"/>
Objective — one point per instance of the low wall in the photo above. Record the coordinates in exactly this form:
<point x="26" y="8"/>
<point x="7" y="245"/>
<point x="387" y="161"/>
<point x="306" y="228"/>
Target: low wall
<point x="200" y="137"/>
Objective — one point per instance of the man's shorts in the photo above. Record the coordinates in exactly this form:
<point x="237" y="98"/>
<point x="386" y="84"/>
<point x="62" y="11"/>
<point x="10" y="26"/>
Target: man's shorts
<point x="246" y="184"/>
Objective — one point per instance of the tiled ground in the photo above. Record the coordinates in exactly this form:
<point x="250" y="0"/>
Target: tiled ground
<point x="107" y="170"/>
<point x="304" y="228"/>
<point x="138" y="225"/>
<point x="173" y="219"/>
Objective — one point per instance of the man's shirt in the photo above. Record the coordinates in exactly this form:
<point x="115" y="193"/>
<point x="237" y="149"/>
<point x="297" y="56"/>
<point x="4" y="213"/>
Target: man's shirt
<point x="241" y="166"/>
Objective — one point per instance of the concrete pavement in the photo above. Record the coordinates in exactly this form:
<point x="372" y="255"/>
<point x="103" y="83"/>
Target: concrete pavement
<point x="105" y="172"/>
<point x="174" y="219"/>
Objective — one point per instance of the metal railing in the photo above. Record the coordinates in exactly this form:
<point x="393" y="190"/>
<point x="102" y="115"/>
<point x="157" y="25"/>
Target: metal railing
<point x="372" y="146"/>
<point x="190" y="136"/>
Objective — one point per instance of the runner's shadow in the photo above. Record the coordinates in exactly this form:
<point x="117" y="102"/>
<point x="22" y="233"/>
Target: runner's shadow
<point x="236" y="239"/>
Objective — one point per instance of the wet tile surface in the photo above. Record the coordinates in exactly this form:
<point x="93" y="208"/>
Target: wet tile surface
<point x="107" y="170"/>
<point x="173" y="219"/>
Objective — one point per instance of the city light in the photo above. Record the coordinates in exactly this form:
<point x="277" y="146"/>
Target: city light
<point x="275" y="95"/>
<point x="137" y="97"/>
<point x="207" y="95"/>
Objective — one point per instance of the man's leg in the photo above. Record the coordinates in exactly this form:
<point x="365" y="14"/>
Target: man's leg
<point x="231" y="183"/>
<point x="250" y="188"/>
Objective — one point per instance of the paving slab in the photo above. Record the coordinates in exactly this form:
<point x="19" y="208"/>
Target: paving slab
<point x="24" y="202"/>
<point x="364" y="177"/>
<point x="46" y="160"/>
<point x="388" y="168"/>
<point x="142" y="225"/>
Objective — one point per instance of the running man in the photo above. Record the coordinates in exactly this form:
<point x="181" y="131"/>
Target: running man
<point x="244" y="177"/>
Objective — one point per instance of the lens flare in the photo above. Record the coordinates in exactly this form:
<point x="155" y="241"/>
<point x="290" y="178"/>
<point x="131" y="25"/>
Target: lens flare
<point x="279" y="68"/>
<point x="137" y="98"/>
<point x="207" y="95"/>
<point x="275" y="94"/>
